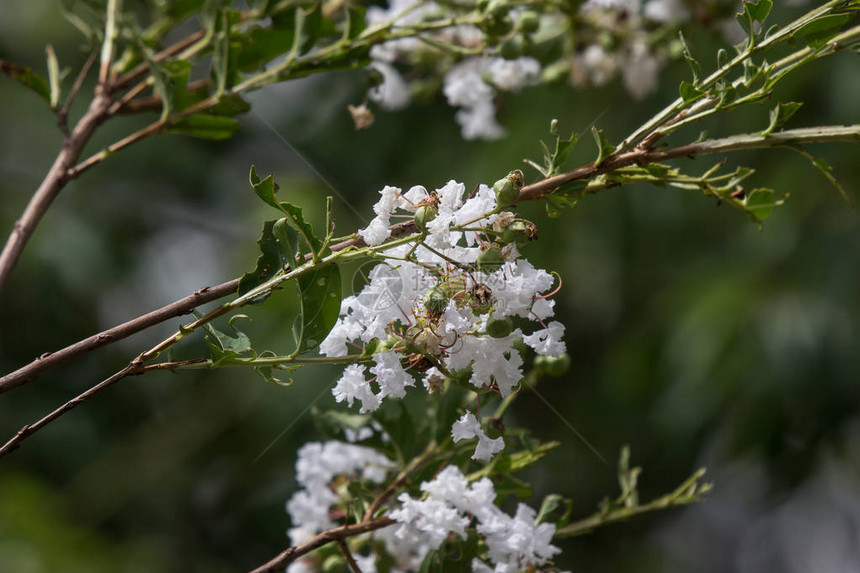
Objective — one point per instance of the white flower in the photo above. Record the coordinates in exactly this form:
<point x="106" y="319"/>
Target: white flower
<point x="317" y="464"/>
<point x="666" y="11"/>
<point x="468" y="427"/>
<point x="512" y="75"/>
<point x="601" y="65"/>
<point x="393" y="93"/>
<point x="376" y="233"/>
<point x="352" y="386"/>
<point x="390" y="376"/>
<point x="427" y="521"/>
<point x="640" y="71"/>
<point x="547" y="341"/>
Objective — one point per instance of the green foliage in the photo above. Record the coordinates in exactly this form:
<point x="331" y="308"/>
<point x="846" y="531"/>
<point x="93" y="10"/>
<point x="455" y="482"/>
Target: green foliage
<point x="27" y="78"/>
<point x="604" y="148"/>
<point x="554" y="160"/>
<point x="320" y="294"/>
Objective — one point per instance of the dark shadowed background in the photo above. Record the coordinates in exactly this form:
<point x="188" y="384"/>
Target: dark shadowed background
<point x="695" y="338"/>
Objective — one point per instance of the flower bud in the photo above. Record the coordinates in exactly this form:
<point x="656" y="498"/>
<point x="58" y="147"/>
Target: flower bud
<point x="500" y="327"/>
<point x="435" y="300"/>
<point x="490" y="260"/>
<point x="508" y="189"/>
<point x="555" y="366"/>
<point x="423" y="215"/>
<point x="511" y="49"/>
<point x="529" y="22"/>
<point x="519" y="232"/>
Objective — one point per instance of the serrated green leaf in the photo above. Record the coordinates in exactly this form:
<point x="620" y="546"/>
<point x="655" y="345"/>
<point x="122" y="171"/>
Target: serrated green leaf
<point x="266" y="190"/>
<point x="355" y="22"/>
<point x="321" y="292"/>
<point x="689" y="93"/>
<point x="780" y="114"/>
<point x="225" y="347"/>
<point x="823" y="28"/>
<point x="825" y="170"/>
<point x="760" y="203"/>
<point x="205" y="126"/>
<point x="759" y="10"/>
<point x="278" y="250"/>
<point x="555" y="509"/>
<point x="604" y="148"/>
<point x="27" y="78"/>
<point x="260" y="45"/>
<point x="695" y="67"/>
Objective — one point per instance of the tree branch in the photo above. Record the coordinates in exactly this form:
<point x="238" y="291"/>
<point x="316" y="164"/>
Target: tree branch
<point x="50" y="360"/>
<point x="289" y="555"/>
<point x="51" y="186"/>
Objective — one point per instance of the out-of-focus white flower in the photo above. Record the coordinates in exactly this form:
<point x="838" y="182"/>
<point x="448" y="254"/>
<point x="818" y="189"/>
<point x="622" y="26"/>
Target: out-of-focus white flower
<point x="666" y="11"/>
<point x="600" y="64"/>
<point x="468" y="427"/>
<point x="547" y="341"/>
<point x="393" y="93"/>
<point x="640" y="71"/>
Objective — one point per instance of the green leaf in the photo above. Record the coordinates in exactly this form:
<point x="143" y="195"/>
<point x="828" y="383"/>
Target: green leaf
<point x="781" y="114"/>
<point x="266" y="190"/>
<point x="604" y="148"/>
<point x="759" y="10"/>
<point x="53" y="76"/>
<point x="355" y="23"/>
<point x="260" y="45"/>
<point x="205" y="126"/>
<point x="271" y="260"/>
<point x="27" y="78"/>
<point x="823" y="28"/>
<point x="695" y="67"/>
<point x="555" y="509"/>
<point x="399" y="424"/>
<point x="827" y="171"/>
<point x="321" y="292"/>
<point x="229" y="105"/>
<point x="225" y="347"/>
<point x="689" y="93"/>
<point x="760" y="203"/>
<point x="754" y="13"/>
<point x="308" y="27"/>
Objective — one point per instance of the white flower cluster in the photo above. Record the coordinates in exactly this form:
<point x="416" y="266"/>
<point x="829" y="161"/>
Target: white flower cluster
<point x="451" y="506"/>
<point x="470" y="85"/>
<point x="438" y="310"/>
<point x="317" y="466"/>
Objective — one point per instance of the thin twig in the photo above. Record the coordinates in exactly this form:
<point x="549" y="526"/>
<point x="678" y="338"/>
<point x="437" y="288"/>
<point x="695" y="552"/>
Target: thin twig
<point x="289" y="555"/>
<point x="344" y="548"/>
<point x="139" y="70"/>
<point x="114" y="8"/>
<point x="51" y="185"/>
<point x="30" y="429"/>
<point x="50" y="360"/>
<point x="63" y="114"/>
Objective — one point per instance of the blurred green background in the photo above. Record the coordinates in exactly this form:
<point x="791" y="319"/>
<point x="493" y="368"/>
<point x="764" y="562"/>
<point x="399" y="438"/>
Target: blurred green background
<point x="694" y="337"/>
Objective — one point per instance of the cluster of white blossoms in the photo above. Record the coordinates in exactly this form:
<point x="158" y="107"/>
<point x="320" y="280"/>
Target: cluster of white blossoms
<point x="444" y="303"/>
<point x="316" y="468"/>
<point x="449" y="508"/>
<point x="476" y="65"/>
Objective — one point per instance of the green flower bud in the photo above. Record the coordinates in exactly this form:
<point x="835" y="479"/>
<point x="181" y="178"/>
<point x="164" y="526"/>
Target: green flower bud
<point x="490" y="260"/>
<point x="508" y="189"/>
<point x="555" y="366"/>
<point x="423" y="215"/>
<point x="500" y="327"/>
<point x="529" y="22"/>
<point x="511" y="49"/>
<point x="435" y="300"/>
<point x="520" y="232"/>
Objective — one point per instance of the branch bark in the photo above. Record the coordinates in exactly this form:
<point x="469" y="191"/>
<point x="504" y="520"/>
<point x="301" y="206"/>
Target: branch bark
<point x="53" y="183"/>
<point x="51" y="360"/>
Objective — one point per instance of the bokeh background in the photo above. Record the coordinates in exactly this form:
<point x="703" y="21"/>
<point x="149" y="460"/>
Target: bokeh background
<point x="695" y="338"/>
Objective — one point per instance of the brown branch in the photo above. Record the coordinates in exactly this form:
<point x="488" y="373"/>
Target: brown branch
<point x="139" y="70"/>
<point x="344" y="548"/>
<point x="289" y="555"/>
<point x="50" y="360"/>
<point x="31" y="429"/>
<point x="128" y="105"/>
<point x="63" y="114"/>
<point x="51" y="185"/>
